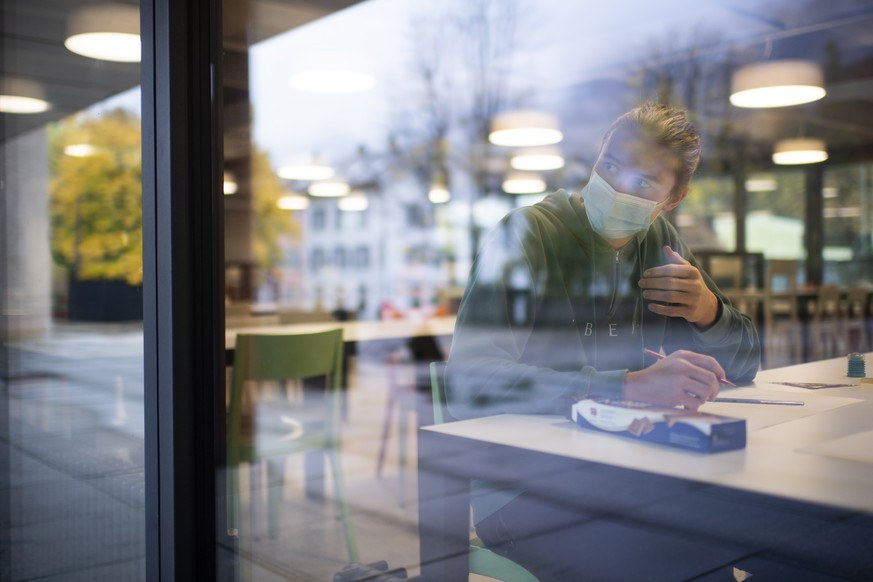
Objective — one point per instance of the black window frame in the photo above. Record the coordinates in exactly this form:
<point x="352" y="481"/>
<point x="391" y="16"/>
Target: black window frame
<point x="183" y="323"/>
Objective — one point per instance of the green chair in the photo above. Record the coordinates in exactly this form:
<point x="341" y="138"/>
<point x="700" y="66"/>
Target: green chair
<point x="272" y="431"/>
<point x="483" y="561"/>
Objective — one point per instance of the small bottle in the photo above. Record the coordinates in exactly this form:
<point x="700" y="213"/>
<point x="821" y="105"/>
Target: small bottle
<point x="856" y="365"/>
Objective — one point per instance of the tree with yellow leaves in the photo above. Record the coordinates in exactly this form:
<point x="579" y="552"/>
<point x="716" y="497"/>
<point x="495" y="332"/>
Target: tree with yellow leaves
<point x="96" y="196"/>
<point x="271" y="222"/>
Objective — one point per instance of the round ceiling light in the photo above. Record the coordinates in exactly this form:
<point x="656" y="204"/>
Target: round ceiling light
<point x="777" y="84"/>
<point x="332" y="81"/>
<point x="540" y="159"/>
<point x="21" y="96"/>
<point x="229" y="185"/>
<point x="329" y="188"/>
<point x="305" y="170"/>
<point x="525" y="128"/>
<point x="293" y="202"/>
<point x="804" y="150"/>
<point x="439" y="194"/>
<point x="354" y="202"/>
<point x="523" y="183"/>
<point x="80" y="150"/>
<point x="108" y="33"/>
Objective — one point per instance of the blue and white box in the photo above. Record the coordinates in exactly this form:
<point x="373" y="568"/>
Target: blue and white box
<point x="676" y="427"/>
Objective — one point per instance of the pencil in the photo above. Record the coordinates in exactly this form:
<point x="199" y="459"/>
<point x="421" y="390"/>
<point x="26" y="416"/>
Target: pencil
<point x="661" y="356"/>
<point x="760" y="401"/>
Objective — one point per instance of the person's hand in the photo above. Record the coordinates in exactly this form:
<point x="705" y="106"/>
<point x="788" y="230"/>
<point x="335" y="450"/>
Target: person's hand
<point x="677" y="289"/>
<point x="682" y="378"/>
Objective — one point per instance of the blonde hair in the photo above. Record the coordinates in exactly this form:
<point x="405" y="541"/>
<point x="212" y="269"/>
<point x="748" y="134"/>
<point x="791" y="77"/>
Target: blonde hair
<point x="670" y="128"/>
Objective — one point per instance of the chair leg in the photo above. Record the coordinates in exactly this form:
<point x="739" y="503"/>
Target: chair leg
<point x="342" y="501"/>
<point x="255" y="487"/>
<point x="386" y="429"/>
<point x="275" y="481"/>
<point x="402" y="429"/>
<point x="313" y="469"/>
<point x="242" y="567"/>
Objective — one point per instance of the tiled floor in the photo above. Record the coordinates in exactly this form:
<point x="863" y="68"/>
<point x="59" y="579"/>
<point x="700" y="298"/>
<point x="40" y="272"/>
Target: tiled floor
<point x="76" y="466"/>
<point x="76" y="462"/>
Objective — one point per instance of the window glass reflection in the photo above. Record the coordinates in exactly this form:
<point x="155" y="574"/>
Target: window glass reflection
<point x="71" y="305"/>
<point x="447" y="116"/>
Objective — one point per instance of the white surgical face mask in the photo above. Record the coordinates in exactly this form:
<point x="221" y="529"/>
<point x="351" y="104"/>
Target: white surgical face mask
<point x="614" y="214"/>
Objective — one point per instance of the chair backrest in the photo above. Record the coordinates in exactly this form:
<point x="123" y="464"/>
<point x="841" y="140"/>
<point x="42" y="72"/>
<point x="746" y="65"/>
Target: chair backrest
<point x="727" y="271"/>
<point x="857" y="297"/>
<point x="781" y="276"/>
<point x="263" y="357"/>
<point x="828" y="302"/>
<point x="279" y="357"/>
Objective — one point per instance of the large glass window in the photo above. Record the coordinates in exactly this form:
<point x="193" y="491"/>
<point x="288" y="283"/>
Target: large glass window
<point x="848" y="224"/>
<point x="71" y="305"/>
<point x="369" y="124"/>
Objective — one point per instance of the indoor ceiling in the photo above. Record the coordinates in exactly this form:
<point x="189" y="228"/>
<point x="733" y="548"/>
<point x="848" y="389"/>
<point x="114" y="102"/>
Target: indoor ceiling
<point x="32" y="34"/>
<point x="839" y="33"/>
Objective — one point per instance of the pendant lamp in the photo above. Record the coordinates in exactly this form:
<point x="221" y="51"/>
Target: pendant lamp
<point x="804" y="150"/>
<point x="777" y="84"/>
<point x="329" y="188"/>
<point x="229" y="185"/>
<point x="523" y="183"/>
<point x="21" y="96"/>
<point x="293" y="202"/>
<point x="537" y="159"/>
<point x="525" y="128"/>
<point x="310" y="168"/>
<point x="105" y="32"/>
<point x="438" y="194"/>
<point x="354" y="202"/>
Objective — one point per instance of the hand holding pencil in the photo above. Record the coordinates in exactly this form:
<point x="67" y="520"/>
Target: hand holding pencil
<point x="660" y="356"/>
<point x="683" y="378"/>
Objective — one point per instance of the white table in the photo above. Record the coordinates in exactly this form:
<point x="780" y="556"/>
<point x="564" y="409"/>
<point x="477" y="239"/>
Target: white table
<point x="816" y="457"/>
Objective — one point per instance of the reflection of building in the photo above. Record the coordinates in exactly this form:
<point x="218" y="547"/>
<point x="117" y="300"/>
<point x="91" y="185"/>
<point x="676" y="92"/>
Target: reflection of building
<point x="394" y="251"/>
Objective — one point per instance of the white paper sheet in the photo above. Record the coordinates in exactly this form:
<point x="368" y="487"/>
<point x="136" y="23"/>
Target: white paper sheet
<point x="857" y="447"/>
<point x="760" y="416"/>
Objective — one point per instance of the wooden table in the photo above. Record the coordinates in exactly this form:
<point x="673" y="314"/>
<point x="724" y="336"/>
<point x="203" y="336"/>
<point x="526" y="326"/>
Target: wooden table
<point x="357" y="331"/>
<point x="806" y="471"/>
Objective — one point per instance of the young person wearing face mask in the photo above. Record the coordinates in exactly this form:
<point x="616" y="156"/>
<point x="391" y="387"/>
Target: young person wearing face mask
<point x="565" y="297"/>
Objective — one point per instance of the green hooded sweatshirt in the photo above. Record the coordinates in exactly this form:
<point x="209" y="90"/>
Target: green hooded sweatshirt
<point x="552" y="312"/>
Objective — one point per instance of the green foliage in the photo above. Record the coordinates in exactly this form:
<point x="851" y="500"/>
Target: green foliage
<point x="95" y="200"/>
<point x="271" y="223"/>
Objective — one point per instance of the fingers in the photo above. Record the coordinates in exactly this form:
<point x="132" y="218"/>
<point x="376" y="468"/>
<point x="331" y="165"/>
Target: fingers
<point x="698" y="376"/>
<point x="672" y="256"/>
<point x="677" y="289"/>
<point x="690" y="401"/>
<point x="671" y="304"/>
<point x="701" y="361"/>
<point x="676" y="265"/>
